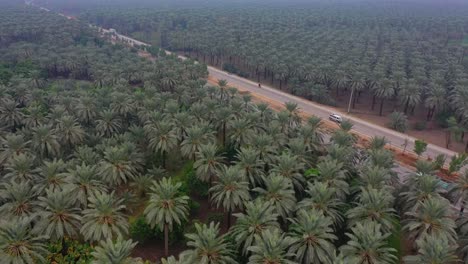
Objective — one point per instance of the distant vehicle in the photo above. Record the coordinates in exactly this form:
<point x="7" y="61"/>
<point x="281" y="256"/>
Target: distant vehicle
<point x="335" y="118"/>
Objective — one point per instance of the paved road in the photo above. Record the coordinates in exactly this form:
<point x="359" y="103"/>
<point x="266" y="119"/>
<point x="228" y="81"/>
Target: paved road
<point x="360" y="126"/>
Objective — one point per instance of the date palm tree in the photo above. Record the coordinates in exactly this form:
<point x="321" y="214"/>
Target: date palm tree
<point x="368" y="245"/>
<point x="323" y="199"/>
<point x="104" y="217"/>
<point x="45" y="141"/>
<point x="84" y="182"/>
<point x="116" y="167"/>
<point x="11" y="145"/>
<point x="70" y="132"/>
<point x="373" y="205"/>
<point x="421" y="188"/>
<point x="432" y="217"/>
<point x="258" y="216"/>
<point x="196" y="137"/>
<point x="279" y="192"/>
<point x="271" y="246"/>
<point x="433" y="249"/>
<point x="108" y="124"/>
<point x="11" y="115"/>
<point x="18" y="245"/>
<point x="248" y="160"/>
<point x="332" y="173"/>
<point x="289" y="167"/>
<point x="51" y="175"/>
<point x="230" y="190"/>
<point x="166" y="207"/>
<point x="21" y="167"/>
<point x="58" y="215"/>
<point x="19" y="199"/>
<point x="115" y="252"/>
<point x="313" y="237"/>
<point x="208" y="161"/>
<point x="162" y="138"/>
<point x="459" y="190"/>
<point x="207" y="246"/>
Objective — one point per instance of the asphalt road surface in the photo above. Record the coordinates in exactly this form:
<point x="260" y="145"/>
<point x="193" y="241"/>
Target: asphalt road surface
<point x="362" y="127"/>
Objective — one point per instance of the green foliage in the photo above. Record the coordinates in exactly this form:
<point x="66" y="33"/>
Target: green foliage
<point x="194" y="207"/>
<point x="76" y="252"/>
<point x="398" y="121"/>
<point x="420" y="147"/>
<point x="140" y="230"/>
<point x="457" y="162"/>
<point x="215" y="217"/>
<point x="190" y="183"/>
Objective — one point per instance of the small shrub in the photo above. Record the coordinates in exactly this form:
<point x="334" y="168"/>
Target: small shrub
<point x="194" y="207"/>
<point x="398" y="121"/>
<point x="76" y="252"/>
<point x="420" y="147"/>
<point x="215" y="217"/>
<point x="420" y="125"/>
<point x="140" y="230"/>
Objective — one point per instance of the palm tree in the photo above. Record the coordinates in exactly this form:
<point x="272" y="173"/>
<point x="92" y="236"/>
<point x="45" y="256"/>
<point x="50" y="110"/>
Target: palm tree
<point x="84" y="182"/>
<point x="332" y="173"/>
<point x="58" y="217"/>
<point x="19" y="199"/>
<point x="104" y="217"/>
<point x="196" y="137"/>
<point x="207" y="246"/>
<point x="322" y="199"/>
<point x="116" y="167"/>
<point x="385" y="90"/>
<point x="435" y="100"/>
<point x="18" y="245"/>
<point x="45" y="141"/>
<point x="459" y="190"/>
<point x="115" y="252"/>
<point x="20" y="167"/>
<point x="11" y="145"/>
<point x="280" y="193"/>
<point x="313" y="237"/>
<point x="373" y="205"/>
<point x="289" y="167"/>
<point x="248" y="160"/>
<point x="51" y="175"/>
<point x="231" y="190"/>
<point x="368" y="245"/>
<point x="108" y="124"/>
<point x="208" y="161"/>
<point x="410" y="95"/>
<point x="70" y="132"/>
<point x="258" y="216"/>
<point x="162" y="139"/>
<point x="433" y="249"/>
<point x="10" y="115"/>
<point x="421" y="188"/>
<point x="271" y="246"/>
<point x="375" y="177"/>
<point x="166" y="207"/>
<point x="432" y="217"/>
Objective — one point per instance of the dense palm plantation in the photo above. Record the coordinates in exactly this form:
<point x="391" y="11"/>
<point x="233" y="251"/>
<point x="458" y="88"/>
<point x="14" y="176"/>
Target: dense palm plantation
<point x="93" y="137"/>
<point x="389" y="56"/>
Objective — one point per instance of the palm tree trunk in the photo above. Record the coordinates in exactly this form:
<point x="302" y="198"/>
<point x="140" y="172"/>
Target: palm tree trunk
<point x="229" y="218"/>
<point x="164" y="159"/>
<point x="373" y="102"/>
<point x="381" y="106"/>
<point x="166" y="240"/>
<point x="224" y="134"/>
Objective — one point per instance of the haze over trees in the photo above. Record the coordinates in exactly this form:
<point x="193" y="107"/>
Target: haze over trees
<point x="105" y="154"/>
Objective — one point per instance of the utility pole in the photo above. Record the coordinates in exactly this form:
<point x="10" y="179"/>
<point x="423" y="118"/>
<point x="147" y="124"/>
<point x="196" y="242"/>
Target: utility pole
<point x="350" y="99"/>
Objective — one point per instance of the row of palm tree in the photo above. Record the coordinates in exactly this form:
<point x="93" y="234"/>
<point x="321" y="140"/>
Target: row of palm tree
<point x="381" y="53"/>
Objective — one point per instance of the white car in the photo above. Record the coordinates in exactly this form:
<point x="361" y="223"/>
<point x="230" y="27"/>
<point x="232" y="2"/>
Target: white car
<point x="335" y="118"/>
